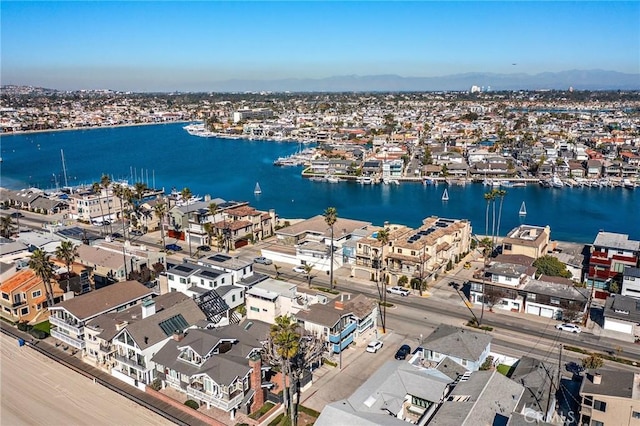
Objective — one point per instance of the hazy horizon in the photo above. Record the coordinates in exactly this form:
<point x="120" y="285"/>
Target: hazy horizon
<point x="190" y="46"/>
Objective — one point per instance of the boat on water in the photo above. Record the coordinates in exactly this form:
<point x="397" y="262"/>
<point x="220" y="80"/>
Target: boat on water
<point x="556" y="182"/>
<point x="628" y="184"/>
<point x="523" y="210"/>
<point x="507" y="184"/>
<point x="445" y="195"/>
<point x="257" y="189"/>
<point x="365" y="180"/>
<point x="199" y="129"/>
<point x="333" y="179"/>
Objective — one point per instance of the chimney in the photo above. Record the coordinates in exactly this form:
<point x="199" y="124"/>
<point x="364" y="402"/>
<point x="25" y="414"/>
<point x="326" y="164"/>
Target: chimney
<point x="596" y="378"/>
<point x="256" y="382"/>
<point x="339" y="305"/>
<point x="121" y="325"/>
<point x="148" y="308"/>
<point x="178" y="336"/>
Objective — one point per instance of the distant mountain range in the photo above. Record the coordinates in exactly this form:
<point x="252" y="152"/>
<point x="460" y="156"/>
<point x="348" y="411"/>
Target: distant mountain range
<point x="578" y="79"/>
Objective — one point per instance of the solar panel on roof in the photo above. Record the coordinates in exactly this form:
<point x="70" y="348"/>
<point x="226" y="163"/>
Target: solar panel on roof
<point x="173" y="324"/>
<point x="220" y="258"/>
<point x="210" y="274"/>
<point x="182" y="268"/>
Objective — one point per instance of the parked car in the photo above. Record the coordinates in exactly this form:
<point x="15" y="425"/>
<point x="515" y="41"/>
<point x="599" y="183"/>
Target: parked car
<point x="116" y="235"/>
<point x="569" y="327"/>
<point x="203" y="248"/>
<point x="403" y="352"/>
<point x="173" y="247"/>
<point x="263" y="260"/>
<point x="574" y="367"/>
<point x="16" y="214"/>
<point x="374" y="345"/>
<point x="398" y="290"/>
<point x="467" y="265"/>
<point x="136" y="232"/>
<point x="299" y="269"/>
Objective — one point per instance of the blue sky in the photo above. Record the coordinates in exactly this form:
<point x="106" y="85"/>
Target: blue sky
<point x="147" y="45"/>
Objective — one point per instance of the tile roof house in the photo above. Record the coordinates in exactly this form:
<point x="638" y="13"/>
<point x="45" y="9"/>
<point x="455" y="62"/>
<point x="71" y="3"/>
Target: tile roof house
<point x="466" y="347"/>
<point x="218" y="367"/>
<point x="68" y="318"/>
<point x="23" y="297"/>
<point x="395" y="394"/>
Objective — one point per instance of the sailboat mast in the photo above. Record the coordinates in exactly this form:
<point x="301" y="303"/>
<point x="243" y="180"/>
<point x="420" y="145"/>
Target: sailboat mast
<point x="64" y="169"/>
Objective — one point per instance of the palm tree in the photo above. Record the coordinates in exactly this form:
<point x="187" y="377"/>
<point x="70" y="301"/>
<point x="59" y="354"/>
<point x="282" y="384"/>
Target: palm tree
<point x="139" y="188"/>
<point x="383" y="238"/>
<point x="331" y="217"/>
<point x="105" y="182"/>
<point x="209" y="229"/>
<point x="500" y="193"/>
<point x="6" y="226"/>
<point x="286" y="341"/>
<point x="186" y="195"/>
<point x="307" y="270"/>
<point x="40" y="264"/>
<point x="160" y="210"/>
<point x="488" y="196"/>
<point x="97" y="189"/>
<point x="67" y="253"/>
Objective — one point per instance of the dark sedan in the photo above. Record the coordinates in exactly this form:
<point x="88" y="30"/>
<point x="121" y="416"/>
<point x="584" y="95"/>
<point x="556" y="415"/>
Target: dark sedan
<point x="403" y="352"/>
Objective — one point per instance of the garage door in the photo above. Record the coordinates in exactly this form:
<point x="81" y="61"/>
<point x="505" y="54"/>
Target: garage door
<point x="618" y="326"/>
<point x="535" y="310"/>
<point x="546" y="312"/>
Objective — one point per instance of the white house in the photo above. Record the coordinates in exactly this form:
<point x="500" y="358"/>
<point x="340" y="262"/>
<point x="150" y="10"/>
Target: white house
<point x="466" y="347"/>
<point x="631" y="282"/>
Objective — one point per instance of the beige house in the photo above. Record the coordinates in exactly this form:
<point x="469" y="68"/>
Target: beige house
<point x="272" y="298"/>
<point x="419" y="253"/>
<point x="94" y="207"/>
<point x="528" y="240"/>
<point x="610" y="398"/>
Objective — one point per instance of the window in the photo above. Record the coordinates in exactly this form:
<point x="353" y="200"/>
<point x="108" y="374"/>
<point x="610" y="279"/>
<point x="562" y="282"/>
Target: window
<point x="183" y="281"/>
<point x="555" y="301"/>
<point x="635" y="414"/>
<point x="599" y="405"/>
<point x="170" y="277"/>
<point x="36" y="293"/>
<point x="531" y="296"/>
<point x="596" y="423"/>
<point x="24" y="311"/>
<point x="5" y="296"/>
<point x="254" y="309"/>
<point x="233" y="297"/>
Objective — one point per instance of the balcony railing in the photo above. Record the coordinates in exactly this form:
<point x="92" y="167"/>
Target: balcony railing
<point x="223" y="404"/>
<point x="131" y="363"/>
<point x="335" y="338"/>
<point x="69" y="325"/>
<point x="76" y="343"/>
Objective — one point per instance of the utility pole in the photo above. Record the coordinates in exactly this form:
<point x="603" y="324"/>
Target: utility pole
<point x="588" y="313"/>
<point x="340" y="342"/>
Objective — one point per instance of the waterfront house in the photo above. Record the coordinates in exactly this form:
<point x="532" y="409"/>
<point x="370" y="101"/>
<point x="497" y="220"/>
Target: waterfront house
<point x="622" y="314"/>
<point x="610" y="397"/>
<point x="96" y="208"/>
<point x="486" y="398"/>
<point x="23" y="297"/>
<point x="528" y="240"/>
<point x="610" y="254"/>
<point x="631" y="282"/>
<point x="339" y="323"/>
<point x="396" y="394"/>
<point x="463" y="346"/>
<point x="127" y="340"/>
<point x="69" y="317"/>
<point x="594" y="169"/>
<point x="32" y="199"/>
<point x="219" y="368"/>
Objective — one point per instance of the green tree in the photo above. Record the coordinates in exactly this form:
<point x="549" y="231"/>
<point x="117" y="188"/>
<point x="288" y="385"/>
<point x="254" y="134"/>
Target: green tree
<point x="6" y="226"/>
<point x="285" y="341"/>
<point x="186" y="195"/>
<point x="67" y="252"/>
<point x="160" y="210"/>
<point x="307" y="270"/>
<point x="549" y="265"/>
<point x="383" y="238"/>
<point x="331" y="217"/>
<point x="105" y="182"/>
<point x="403" y="281"/>
<point x="40" y="264"/>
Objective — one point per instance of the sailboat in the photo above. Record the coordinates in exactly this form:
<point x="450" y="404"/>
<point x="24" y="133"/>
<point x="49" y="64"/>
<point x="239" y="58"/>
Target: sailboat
<point x="257" y="190"/>
<point x="445" y="195"/>
<point x="523" y="210"/>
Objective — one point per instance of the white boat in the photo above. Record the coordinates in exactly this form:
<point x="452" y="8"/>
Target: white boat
<point x="523" y="210"/>
<point x="627" y="183"/>
<point x="257" y="190"/>
<point x="556" y="182"/>
<point x="365" y="180"/>
<point x="333" y="179"/>
<point x="445" y="195"/>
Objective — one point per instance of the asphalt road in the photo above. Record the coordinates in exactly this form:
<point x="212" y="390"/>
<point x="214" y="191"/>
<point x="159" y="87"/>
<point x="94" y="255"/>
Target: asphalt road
<point x="39" y="391"/>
